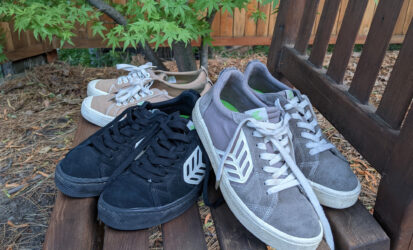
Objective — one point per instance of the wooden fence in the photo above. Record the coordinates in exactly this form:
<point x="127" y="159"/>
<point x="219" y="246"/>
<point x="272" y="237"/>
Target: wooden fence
<point x="227" y="29"/>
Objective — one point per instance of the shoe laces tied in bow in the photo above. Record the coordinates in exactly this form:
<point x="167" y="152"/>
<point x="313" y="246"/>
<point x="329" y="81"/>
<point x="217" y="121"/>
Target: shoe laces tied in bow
<point x="135" y="72"/>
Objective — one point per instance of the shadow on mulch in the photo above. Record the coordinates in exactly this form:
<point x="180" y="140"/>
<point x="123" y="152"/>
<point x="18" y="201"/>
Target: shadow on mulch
<point x="38" y="116"/>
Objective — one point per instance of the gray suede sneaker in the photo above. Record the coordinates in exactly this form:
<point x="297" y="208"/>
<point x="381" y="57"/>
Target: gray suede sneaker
<point x="328" y="171"/>
<point x="251" y="152"/>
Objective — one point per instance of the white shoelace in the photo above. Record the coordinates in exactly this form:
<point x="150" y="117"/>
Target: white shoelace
<point x="136" y="72"/>
<point x="139" y="89"/>
<point x="279" y="136"/>
<point x="316" y="144"/>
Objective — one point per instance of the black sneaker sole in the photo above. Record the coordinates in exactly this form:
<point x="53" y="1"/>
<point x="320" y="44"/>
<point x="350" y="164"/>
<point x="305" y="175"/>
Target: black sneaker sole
<point x="141" y="218"/>
<point x="78" y="187"/>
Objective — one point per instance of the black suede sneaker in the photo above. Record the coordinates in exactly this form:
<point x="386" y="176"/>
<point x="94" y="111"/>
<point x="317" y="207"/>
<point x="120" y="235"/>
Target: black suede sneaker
<point x="87" y="168"/>
<point x="162" y="184"/>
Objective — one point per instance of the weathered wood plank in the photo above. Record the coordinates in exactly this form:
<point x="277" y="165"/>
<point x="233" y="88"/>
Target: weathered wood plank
<point x="26" y="52"/>
<point x="184" y="232"/>
<point x="262" y="25"/>
<point x="346" y="38"/>
<point x="398" y="28"/>
<point x="324" y="30"/>
<point x="367" y="18"/>
<point x="285" y="31"/>
<point x="317" y="17"/>
<point x="408" y="18"/>
<point x="73" y="223"/>
<point x="306" y="25"/>
<point x="5" y="29"/>
<point x="394" y="204"/>
<point x="372" y="137"/>
<point x="374" y="49"/>
<point x="399" y="91"/>
<point x="125" y="240"/>
<point x="355" y="228"/>
<point x="19" y="40"/>
<point x="231" y="233"/>
<point x="227" y="22"/>
<point x="250" y="24"/>
<point x="340" y="16"/>
<point x="239" y="22"/>
<point x="273" y="18"/>
<point x="216" y="24"/>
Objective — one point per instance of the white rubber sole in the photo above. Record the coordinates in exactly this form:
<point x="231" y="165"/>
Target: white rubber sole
<point x="263" y="231"/>
<point x="92" y="115"/>
<point x="92" y="90"/>
<point x="335" y="199"/>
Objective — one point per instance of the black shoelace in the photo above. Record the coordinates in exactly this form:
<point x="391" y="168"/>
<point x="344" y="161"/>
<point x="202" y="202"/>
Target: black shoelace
<point x="167" y="149"/>
<point x="122" y="131"/>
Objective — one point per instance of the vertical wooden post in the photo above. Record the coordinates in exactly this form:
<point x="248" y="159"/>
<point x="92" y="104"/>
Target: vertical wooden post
<point x="394" y="204"/>
<point x="51" y="56"/>
<point x="285" y="31"/>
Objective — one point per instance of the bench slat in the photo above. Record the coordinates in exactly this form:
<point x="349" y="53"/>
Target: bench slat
<point x="357" y="123"/>
<point x="230" y="232"/>
<point x="346" y="38"/>
<point x="374" y="49"/>
<point x="184" y="232"/>
<point x="399" y="91"/>
<point x="306" y="25"/>
<point x="355" y="228"/>
<point x="285" y="30"/>
<point x="324" y="29"/>
<point x="125" y="240"/>
<point x="73" y="222"/>
<point x="394" y="204"/>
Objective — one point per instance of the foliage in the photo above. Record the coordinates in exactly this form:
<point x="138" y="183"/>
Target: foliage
<point x="93" y="57"/>
<point x="152" y="21"/>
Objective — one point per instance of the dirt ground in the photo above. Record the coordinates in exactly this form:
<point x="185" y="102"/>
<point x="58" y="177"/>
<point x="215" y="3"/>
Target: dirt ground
<point x="38" y="115"/>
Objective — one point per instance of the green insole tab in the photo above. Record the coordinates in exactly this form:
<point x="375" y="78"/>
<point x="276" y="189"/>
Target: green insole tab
<point x="184" y="116"/>
<point x="258" y="91"/>
<point x="229" y="106"/>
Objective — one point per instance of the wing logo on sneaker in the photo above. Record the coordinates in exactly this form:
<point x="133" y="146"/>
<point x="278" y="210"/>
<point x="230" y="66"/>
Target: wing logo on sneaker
<point x="194" y="168"/>
<point x="238" y="168"/>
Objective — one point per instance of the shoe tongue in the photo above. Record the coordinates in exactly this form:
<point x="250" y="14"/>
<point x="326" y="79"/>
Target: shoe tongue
<point x="265" y="114"/>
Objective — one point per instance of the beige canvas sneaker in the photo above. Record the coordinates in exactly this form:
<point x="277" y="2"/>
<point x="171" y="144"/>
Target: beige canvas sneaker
<point x="173" y="82"/>
<point x="156" y="86"/>
<point x="109" y="86"/>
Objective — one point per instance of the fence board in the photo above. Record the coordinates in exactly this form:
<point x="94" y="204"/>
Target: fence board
<point x="227" y="29"/>
<point x="398" y="28"/>
<point x="239" y="22"/>
<point x="262" y="25"/>
<point x="227" y="23"/>
<point x="250" y="25"/>
<point x="273" y="17"/>
<point x="368" y="18"/>
<point x="408" y="18"/>
<point x="216" y="24"/>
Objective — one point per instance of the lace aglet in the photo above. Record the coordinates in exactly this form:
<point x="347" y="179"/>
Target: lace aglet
<point x="217" y="182"/>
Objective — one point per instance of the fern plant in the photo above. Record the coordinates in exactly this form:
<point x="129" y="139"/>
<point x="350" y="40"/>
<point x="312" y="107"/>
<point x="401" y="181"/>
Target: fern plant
<point x="137" y="23"/>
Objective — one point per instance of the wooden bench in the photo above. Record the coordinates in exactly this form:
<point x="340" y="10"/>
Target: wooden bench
<point x="382" y="135"/>
<point x="74" y="225"/>
<point x="376" y="134"/>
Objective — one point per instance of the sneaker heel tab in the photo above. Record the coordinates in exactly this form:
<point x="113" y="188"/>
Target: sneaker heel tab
<point x="229" y="69"/>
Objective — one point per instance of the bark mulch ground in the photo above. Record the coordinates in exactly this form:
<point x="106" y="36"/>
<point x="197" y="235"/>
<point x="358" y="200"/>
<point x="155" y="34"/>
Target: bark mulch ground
<point x="38" y="116"/>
